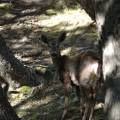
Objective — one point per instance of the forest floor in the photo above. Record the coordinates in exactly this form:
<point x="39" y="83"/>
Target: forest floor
<point x="23" y="38"/>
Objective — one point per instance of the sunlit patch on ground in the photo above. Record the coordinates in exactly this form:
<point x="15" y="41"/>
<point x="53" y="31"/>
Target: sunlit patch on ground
<point x="69" y="19"/>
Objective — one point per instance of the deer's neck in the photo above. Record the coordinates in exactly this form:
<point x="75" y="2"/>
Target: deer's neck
<point x="56" y="60"/>
<point x="59" y="62"/>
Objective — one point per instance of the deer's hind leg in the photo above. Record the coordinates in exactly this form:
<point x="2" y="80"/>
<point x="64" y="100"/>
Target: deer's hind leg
<point x="85" y="115"/>
<point x="83" y="104"/>
<point x="92" y="105"/>
<point x="91" y="112"/>
<point x="89" y="109"/>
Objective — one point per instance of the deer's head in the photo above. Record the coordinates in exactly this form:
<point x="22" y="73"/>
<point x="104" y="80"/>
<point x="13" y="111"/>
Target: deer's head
<point x="54" y="44"/>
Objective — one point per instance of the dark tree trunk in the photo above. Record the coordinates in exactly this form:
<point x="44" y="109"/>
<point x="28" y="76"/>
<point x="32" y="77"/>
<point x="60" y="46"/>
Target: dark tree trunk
<point x="6" y="111"/>
<point x="13" y="71"/>
<point x="108" y="20"/>
<point x="107" y="15"/>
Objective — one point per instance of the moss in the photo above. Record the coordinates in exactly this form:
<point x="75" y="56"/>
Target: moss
<point x="5" y="6"/>
<point x="25" y="89"/>
<point x="99" y="114"/>
<point x="50" y="12"/>
<point x="34" y="116"/>
<point x="40" y="69"/>
<point x="5" y="10"/>
<point x="21" y="112"/>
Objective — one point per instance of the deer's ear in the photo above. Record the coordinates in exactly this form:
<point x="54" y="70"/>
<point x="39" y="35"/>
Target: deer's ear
<point x="44" y="38"/>
<point x="62" y="37"/>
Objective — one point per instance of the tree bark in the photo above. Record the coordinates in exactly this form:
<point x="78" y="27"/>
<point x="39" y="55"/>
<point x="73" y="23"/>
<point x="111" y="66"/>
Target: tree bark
<point x="13" y="71"/>
<point x="108" y="21"/>
<point x="6" y="110"/>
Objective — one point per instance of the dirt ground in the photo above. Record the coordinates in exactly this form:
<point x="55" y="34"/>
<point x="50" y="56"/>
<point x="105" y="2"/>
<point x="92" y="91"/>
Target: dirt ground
<point x="23" y="37"/>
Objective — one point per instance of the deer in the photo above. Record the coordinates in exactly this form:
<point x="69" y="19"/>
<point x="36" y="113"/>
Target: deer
<point x="81" y="71"/>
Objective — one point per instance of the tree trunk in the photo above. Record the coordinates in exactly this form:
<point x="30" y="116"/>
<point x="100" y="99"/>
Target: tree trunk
<point x="6" y="111"/>
<point x="13" y="71"/>
<point x="108" y="20"/>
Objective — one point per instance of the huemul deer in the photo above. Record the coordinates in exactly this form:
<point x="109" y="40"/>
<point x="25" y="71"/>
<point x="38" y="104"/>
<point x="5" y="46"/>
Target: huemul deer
<point x="81" y="71"/>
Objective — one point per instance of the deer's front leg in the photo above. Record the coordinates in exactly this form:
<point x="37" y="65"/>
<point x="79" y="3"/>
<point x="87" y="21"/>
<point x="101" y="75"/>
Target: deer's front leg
<point x="66" y="90"/>
<point x="65" y="107"/>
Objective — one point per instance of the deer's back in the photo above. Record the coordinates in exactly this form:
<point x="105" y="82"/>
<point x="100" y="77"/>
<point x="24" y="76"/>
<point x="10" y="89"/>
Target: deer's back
<point x="82" y="68"/>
